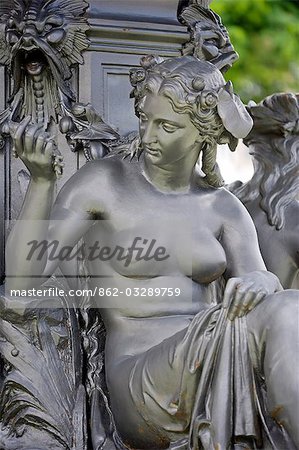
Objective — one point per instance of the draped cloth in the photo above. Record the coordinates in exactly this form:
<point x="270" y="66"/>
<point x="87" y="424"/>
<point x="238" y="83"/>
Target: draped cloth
<point x="217" y="400"/>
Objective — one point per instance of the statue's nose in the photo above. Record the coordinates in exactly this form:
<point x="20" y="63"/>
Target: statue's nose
<point x="27" y="40"/>
<point x="28" y="35"/>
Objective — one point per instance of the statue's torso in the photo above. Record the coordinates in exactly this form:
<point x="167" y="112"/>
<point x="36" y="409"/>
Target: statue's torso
<point x="147" y="301"/>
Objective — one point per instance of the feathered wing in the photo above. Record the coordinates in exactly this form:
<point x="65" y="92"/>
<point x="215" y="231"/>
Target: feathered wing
<point x="76" y="40"/>
<point x="197" y="13"/>
<point x="185" y="3"/>
<point x="75" y="43"/>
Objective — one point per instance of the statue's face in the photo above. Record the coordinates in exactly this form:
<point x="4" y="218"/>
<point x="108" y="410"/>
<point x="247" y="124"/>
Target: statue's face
<point x="34" y="42"/>
<point x="166" y="136"/>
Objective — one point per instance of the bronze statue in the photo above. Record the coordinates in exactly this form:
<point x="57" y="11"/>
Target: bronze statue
<point x="194" y="366"/>
<point x="271" y="196"/>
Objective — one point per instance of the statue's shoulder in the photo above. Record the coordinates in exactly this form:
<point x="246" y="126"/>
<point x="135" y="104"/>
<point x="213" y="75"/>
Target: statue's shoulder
<point x="219" y="195"/>
<point x="230" y="207"/>
<point x="224" y="195"/>
<point x="95" y="177"/>
<point x="106" y="169"/>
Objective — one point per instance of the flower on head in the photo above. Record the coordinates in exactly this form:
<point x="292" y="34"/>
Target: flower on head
<point x="191" y="99"/>
<point x="208" y="100"/>
<point x="136" y="76"/>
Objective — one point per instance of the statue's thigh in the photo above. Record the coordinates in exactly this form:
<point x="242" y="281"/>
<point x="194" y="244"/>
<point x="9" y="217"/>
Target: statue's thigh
<point x="155" y="390"/>
<point x="273" y="325"/>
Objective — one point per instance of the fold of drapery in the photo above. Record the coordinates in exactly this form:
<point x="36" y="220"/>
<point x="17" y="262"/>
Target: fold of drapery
<point x="230" y="405"/>
<point x="225" y="408"/>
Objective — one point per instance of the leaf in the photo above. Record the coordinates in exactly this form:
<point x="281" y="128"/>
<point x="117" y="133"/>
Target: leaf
<point x="37" y="391"/>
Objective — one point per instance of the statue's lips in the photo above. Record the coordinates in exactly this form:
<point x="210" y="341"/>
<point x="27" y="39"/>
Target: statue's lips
<point x="34" y="61"/>
<point x="152" y="151"/>
<point x="33" y="65"/>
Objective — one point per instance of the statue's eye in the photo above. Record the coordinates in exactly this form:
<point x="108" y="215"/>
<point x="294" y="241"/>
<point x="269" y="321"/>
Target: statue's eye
<point x="142" y="117"/>
<point x="11" y="23"/>
<point x="14" y="27"/>
<point x="55" y="36"/>
<point x="12" y="37"/>
<point x="213" y="41"/>
<point x="168" y="127"/>
<point x="48" y="27"/>
<point x="53" y="22"/>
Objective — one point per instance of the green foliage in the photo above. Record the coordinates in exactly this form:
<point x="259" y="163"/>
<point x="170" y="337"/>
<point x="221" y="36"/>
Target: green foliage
<point x="265" y="33"/>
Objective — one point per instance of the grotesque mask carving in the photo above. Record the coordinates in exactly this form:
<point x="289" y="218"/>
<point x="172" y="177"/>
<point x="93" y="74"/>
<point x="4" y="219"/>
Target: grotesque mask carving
<point x="40" y="41"/>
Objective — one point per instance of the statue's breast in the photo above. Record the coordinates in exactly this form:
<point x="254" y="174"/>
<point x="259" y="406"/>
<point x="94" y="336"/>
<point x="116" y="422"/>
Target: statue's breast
<point x="149" y="251"/>
<point x="208" y="258"/>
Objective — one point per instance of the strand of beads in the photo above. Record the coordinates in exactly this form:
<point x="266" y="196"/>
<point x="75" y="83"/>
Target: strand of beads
<point x="38" y="88"/>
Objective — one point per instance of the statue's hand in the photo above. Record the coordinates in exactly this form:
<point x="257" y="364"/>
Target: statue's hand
<point x="37" y="149"/>
<point x="243" y="293"/>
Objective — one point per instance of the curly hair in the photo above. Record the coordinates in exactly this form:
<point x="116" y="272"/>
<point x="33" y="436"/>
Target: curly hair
<point x="274" y="146"/>
<point x="192" y="87"/>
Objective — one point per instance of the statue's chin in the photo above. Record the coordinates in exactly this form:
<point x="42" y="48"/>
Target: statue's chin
<point x="34" y="68"/>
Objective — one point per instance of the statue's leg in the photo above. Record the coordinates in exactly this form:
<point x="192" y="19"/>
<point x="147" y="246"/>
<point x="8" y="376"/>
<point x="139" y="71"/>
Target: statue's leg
<point x="152" y="393"/>
<point x="274" y="343"/>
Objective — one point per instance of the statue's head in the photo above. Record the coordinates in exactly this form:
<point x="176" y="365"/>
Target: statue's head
<point x="198" y="88"/>
<point x="43" y="34"/>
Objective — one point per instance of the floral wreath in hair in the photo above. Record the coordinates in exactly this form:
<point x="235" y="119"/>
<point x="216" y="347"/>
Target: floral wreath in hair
<point x="235" y="118"/>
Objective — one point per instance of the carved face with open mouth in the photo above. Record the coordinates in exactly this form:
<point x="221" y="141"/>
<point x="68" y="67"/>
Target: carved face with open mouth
<point x="33" y="62"/>
<point x="40" y="34"/>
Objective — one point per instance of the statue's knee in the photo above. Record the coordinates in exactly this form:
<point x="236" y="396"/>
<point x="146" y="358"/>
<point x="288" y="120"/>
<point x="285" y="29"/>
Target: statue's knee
<point x="283" y="308"/>
<point x="275" y="311"/>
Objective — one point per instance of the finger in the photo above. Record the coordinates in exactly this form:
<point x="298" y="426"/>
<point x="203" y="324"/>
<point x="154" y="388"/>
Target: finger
<point x="257" y="299"/>
<point x="236" y="307"/>
<point x="48" y="146"/>
<point x="239" y="302"/>
<point x="51" y="146"/>
<point x="17" y="133"/>
<point x="57" y="159"/>
<point x="40" y="143"/>
<point x="246" y="302"/>
<point x="229" y="293"/>
<point x="30" y="136"/>
<point x="233" y="312"/>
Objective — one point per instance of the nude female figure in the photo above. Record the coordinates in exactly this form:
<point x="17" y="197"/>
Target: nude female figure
<point x="180" y="370"/>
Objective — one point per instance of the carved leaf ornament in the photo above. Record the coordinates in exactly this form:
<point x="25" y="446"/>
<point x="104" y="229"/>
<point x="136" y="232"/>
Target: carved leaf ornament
<point x="41" y="390"/>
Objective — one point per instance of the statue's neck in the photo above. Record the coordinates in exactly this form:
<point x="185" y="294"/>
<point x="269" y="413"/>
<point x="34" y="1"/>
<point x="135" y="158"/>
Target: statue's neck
<point x="173" y="177"/>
